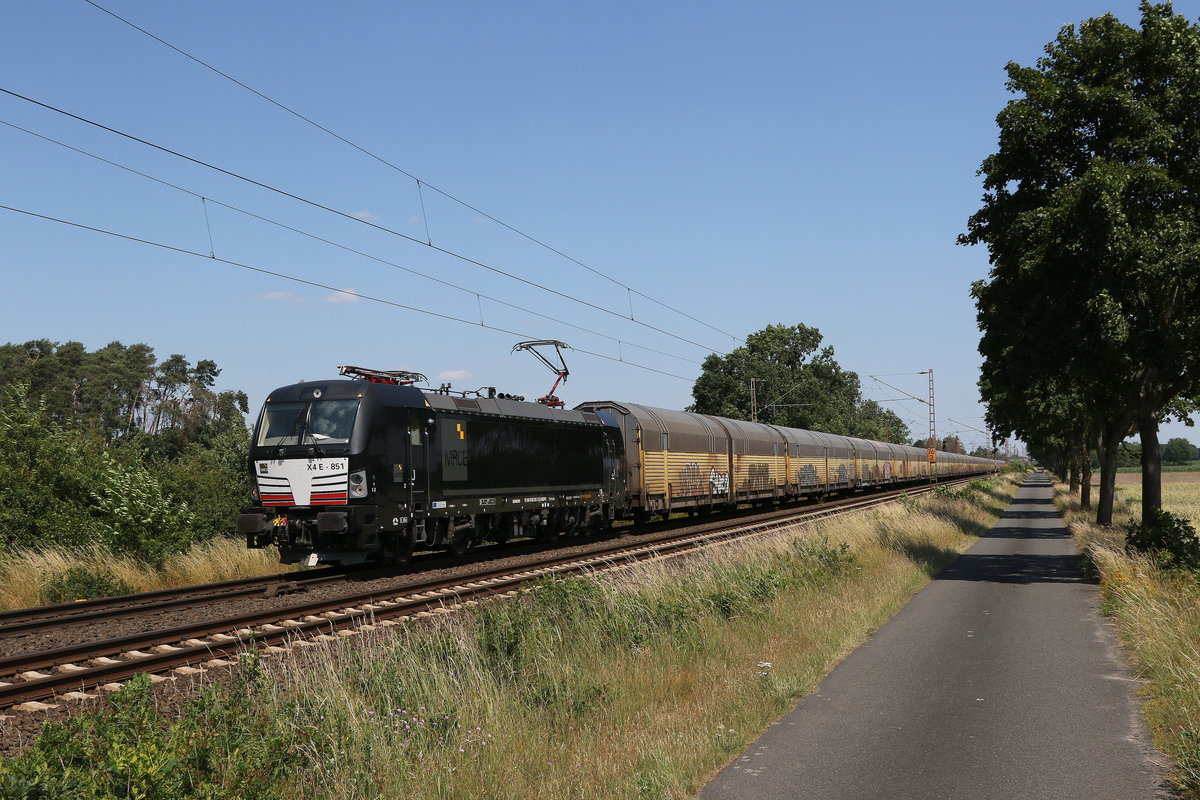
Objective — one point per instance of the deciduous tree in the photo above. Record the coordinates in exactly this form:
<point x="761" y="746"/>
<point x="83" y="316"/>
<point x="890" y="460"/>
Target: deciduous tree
<point x="797" y="384"/>
<point x="1178" y="451"/>
<point x="1092" y="221"/>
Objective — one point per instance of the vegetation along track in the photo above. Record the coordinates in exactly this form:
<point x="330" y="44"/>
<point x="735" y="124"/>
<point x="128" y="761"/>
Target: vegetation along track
<point x="76" y="671"/>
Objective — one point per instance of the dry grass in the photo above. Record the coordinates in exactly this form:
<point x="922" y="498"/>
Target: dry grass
<point x="1157" y="615"/>
<point x="1178" y="496"/>
<point x="589" y="718"/>
<point x="27" y="577"/>
<point x="637" y="684"/>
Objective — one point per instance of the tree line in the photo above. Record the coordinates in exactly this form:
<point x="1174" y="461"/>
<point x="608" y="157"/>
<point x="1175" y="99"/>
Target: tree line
<point x="114" y="447"/>
<point x="1090" y="315"/>
<point x="1176" y="452"/>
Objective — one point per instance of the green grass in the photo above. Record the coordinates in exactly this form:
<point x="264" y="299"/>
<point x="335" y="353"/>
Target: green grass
<point x="1191" y="466"/>
<point x="638" y="684"/>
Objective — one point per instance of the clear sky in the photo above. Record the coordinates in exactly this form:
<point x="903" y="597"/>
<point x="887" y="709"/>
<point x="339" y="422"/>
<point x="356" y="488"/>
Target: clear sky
<point x="746" y="164"/>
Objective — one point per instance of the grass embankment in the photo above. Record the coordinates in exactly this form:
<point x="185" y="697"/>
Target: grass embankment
<point x="1157" y="615"/>
<point x="638" y="684"/>
<point x="39" y="577"/>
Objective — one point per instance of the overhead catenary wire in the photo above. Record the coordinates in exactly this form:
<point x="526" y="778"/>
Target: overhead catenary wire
<point x="408" y="174"/>
<point x="898" y="389"/>
<point x="316" y="284"/>
<point x="351" y="217"/>
<point x="206" y="200"/>
<point x="965" y="425"/>
<point x="911" y="397"/>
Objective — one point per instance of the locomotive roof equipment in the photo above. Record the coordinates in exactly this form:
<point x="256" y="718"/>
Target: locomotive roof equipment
<point x="395" y="377"/>
<point x="550" y="399"/>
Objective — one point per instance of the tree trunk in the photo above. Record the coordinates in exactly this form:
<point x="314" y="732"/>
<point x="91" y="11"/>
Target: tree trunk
<point x="1085" y="492"/>
<point x="1073" y="448"/>
<point x="1151" y="467"/>
<point x="1110" y="441"/>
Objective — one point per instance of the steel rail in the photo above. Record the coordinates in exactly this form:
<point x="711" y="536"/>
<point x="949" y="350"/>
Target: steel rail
<point x="122" y="657"/>
<point x="20" y="619"/>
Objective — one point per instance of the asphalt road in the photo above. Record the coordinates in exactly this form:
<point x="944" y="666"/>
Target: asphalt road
<point x="1000" y="679"/>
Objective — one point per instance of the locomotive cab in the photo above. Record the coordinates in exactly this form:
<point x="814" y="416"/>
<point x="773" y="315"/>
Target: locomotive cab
<point x="330" y="461"/>
<point x="349" y="471"/>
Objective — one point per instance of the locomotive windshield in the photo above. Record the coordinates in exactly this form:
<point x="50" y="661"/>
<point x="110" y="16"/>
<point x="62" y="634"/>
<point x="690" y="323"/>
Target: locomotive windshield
<point x="308" y="422"/>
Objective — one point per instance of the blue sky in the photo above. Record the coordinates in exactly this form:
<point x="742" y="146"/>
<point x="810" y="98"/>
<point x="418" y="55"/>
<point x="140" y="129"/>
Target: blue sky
<point x="764" y="163"/>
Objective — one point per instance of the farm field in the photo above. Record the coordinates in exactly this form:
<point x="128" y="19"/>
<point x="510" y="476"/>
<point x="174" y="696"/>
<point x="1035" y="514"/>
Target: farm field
<point x="1181" y="493"/>
<point x="1177" y="476"/>
<point x="1191" y="466"/>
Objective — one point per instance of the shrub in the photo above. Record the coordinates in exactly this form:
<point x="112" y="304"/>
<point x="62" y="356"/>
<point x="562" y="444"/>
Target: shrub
<point x="1168" y="538"/>
<point x="81" y="583"/>
<point x="135" y="516"/>
<point x="222" y="745"/>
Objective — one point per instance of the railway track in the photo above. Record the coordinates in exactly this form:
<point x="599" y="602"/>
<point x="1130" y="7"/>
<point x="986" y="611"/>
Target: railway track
<point x="22" y="621"/>
<point x="29" y="681"/>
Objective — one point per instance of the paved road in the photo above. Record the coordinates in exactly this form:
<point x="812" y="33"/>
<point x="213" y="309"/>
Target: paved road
<point x="998" y="680"/>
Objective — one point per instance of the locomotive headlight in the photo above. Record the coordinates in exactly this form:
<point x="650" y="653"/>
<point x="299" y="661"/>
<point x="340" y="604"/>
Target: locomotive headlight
<point x="358" y="483"/>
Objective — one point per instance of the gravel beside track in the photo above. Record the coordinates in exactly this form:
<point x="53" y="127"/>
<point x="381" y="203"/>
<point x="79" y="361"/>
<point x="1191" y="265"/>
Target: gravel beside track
<point x="423" y="569"/>
<point x="17" y="727"/>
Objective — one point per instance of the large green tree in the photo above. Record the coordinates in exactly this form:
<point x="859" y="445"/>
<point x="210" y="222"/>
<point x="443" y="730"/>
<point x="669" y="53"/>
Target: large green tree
<point x="1179" y="451"/>
<point x="796" y="383"/>
<point x="1092" y="221"/>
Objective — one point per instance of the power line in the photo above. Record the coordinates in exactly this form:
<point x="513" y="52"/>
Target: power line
<point x="206" y="200"/>
<point x="404" y="172"/>
<point x="350" y="217"/>
<point x="897" y="389"/>
<point x="965" y="425"/>
<point x="316" y="284"/>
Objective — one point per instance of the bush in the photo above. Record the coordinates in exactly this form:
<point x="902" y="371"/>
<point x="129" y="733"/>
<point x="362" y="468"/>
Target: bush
<point x="60" y="486"/>
<point x="136" y="516"/>
<point x="81" y="583"/>
<point x="45" y="474"/>
<point x="1170" y="539"/>
<point x="220" y="745"/>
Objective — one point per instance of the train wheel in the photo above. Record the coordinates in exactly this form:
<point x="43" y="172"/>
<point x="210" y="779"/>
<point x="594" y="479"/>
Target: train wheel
<point x="545" y="534"/>
<point x="501" y="531"/>
<point x="593" y="521"/>
<point x="399" y="549"/>
<point x="462" y="538"/>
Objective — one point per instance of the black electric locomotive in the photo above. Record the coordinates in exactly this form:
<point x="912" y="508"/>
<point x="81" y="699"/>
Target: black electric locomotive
<point x="369" y="470"/>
